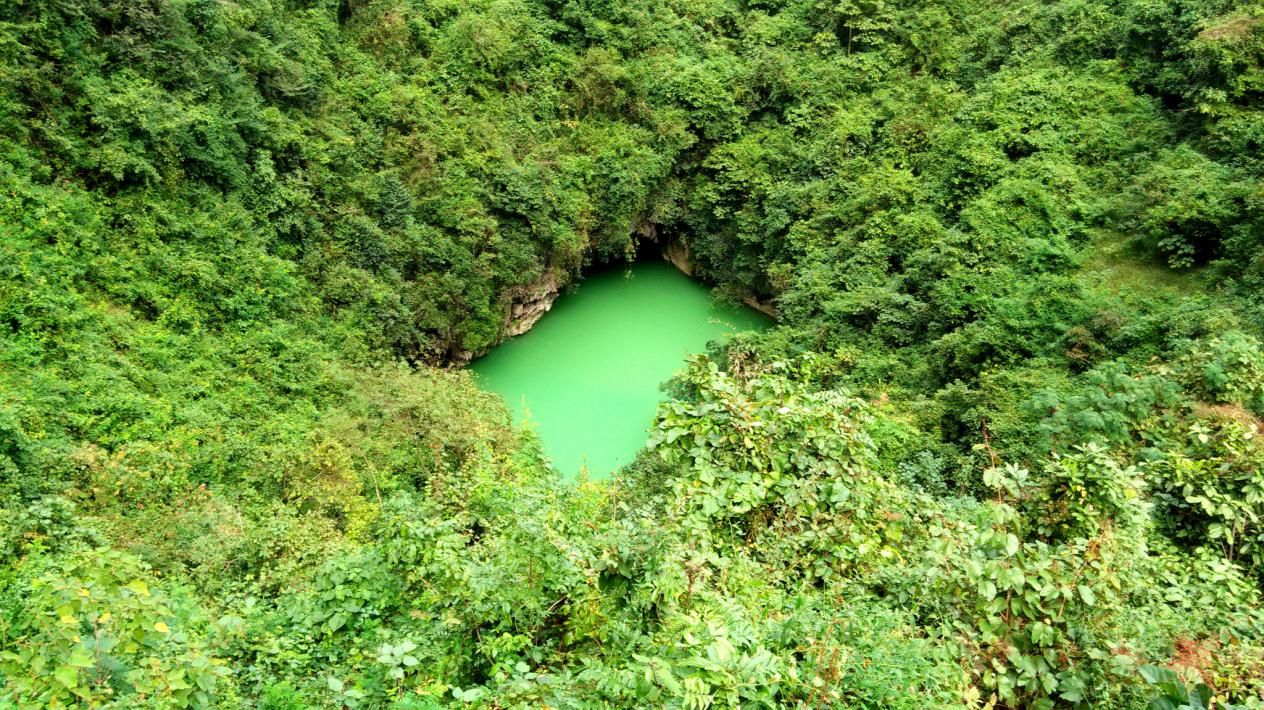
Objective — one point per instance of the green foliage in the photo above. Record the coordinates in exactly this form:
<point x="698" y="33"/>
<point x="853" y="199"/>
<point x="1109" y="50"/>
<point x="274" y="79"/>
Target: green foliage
<point x="91" y="630"/>
<point x="1015" y="251"/>
<point x="1227" y="370"/>
<point x="772" y="469"/>
<point x="1176" y="695"/>
<point x="1084" y="490"/>
<point x="1213" y="488"/>
<point x="1189" y="204"/>
<point x="1031" y="601"/>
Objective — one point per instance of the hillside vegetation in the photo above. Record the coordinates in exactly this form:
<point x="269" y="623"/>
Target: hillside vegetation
<point x="1005" y="448"/>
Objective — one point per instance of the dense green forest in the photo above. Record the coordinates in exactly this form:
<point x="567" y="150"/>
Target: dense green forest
<point x="1002" y="450"/>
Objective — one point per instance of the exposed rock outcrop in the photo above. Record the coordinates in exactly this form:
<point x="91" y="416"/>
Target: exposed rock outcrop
<point x="677" y="253"/>
<point x="764" y="307"/>
<point x="529" y="304"/>
<point x="674" y="251"/>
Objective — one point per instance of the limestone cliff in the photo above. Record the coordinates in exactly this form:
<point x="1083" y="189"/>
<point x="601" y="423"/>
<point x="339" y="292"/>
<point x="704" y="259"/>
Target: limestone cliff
<point x="677" y="254"/>
<point x="527" y="305"/>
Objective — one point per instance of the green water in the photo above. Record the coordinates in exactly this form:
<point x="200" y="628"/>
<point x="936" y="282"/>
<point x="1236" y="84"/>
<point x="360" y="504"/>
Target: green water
<point x="587" y="375"/>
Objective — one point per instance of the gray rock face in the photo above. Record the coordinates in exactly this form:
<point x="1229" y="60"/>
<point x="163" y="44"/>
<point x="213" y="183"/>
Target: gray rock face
<point x="678" y="255"/>
<point x="764" y="307"/>
<point x="529" y="304"/>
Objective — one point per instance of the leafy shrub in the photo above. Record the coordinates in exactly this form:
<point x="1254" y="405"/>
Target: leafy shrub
<point x="91" y="631"/>
<point x="781" y="470"/>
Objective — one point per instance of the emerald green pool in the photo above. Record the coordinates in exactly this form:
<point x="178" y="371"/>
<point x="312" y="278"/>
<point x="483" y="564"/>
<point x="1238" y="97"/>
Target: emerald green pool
<point x="587" y="375"/>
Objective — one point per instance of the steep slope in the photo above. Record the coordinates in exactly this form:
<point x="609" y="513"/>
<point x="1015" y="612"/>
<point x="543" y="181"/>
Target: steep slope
<point x="1003" y="447"/>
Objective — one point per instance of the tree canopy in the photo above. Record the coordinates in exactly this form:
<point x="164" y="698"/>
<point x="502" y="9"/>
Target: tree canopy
<point x="1003" y="448"/>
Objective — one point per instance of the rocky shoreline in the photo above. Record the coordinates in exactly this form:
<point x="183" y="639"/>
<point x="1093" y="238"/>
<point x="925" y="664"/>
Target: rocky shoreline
<point x="529" y="303"/>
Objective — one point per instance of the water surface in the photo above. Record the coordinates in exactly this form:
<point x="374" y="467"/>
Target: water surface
<point x="587" y="375"/>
